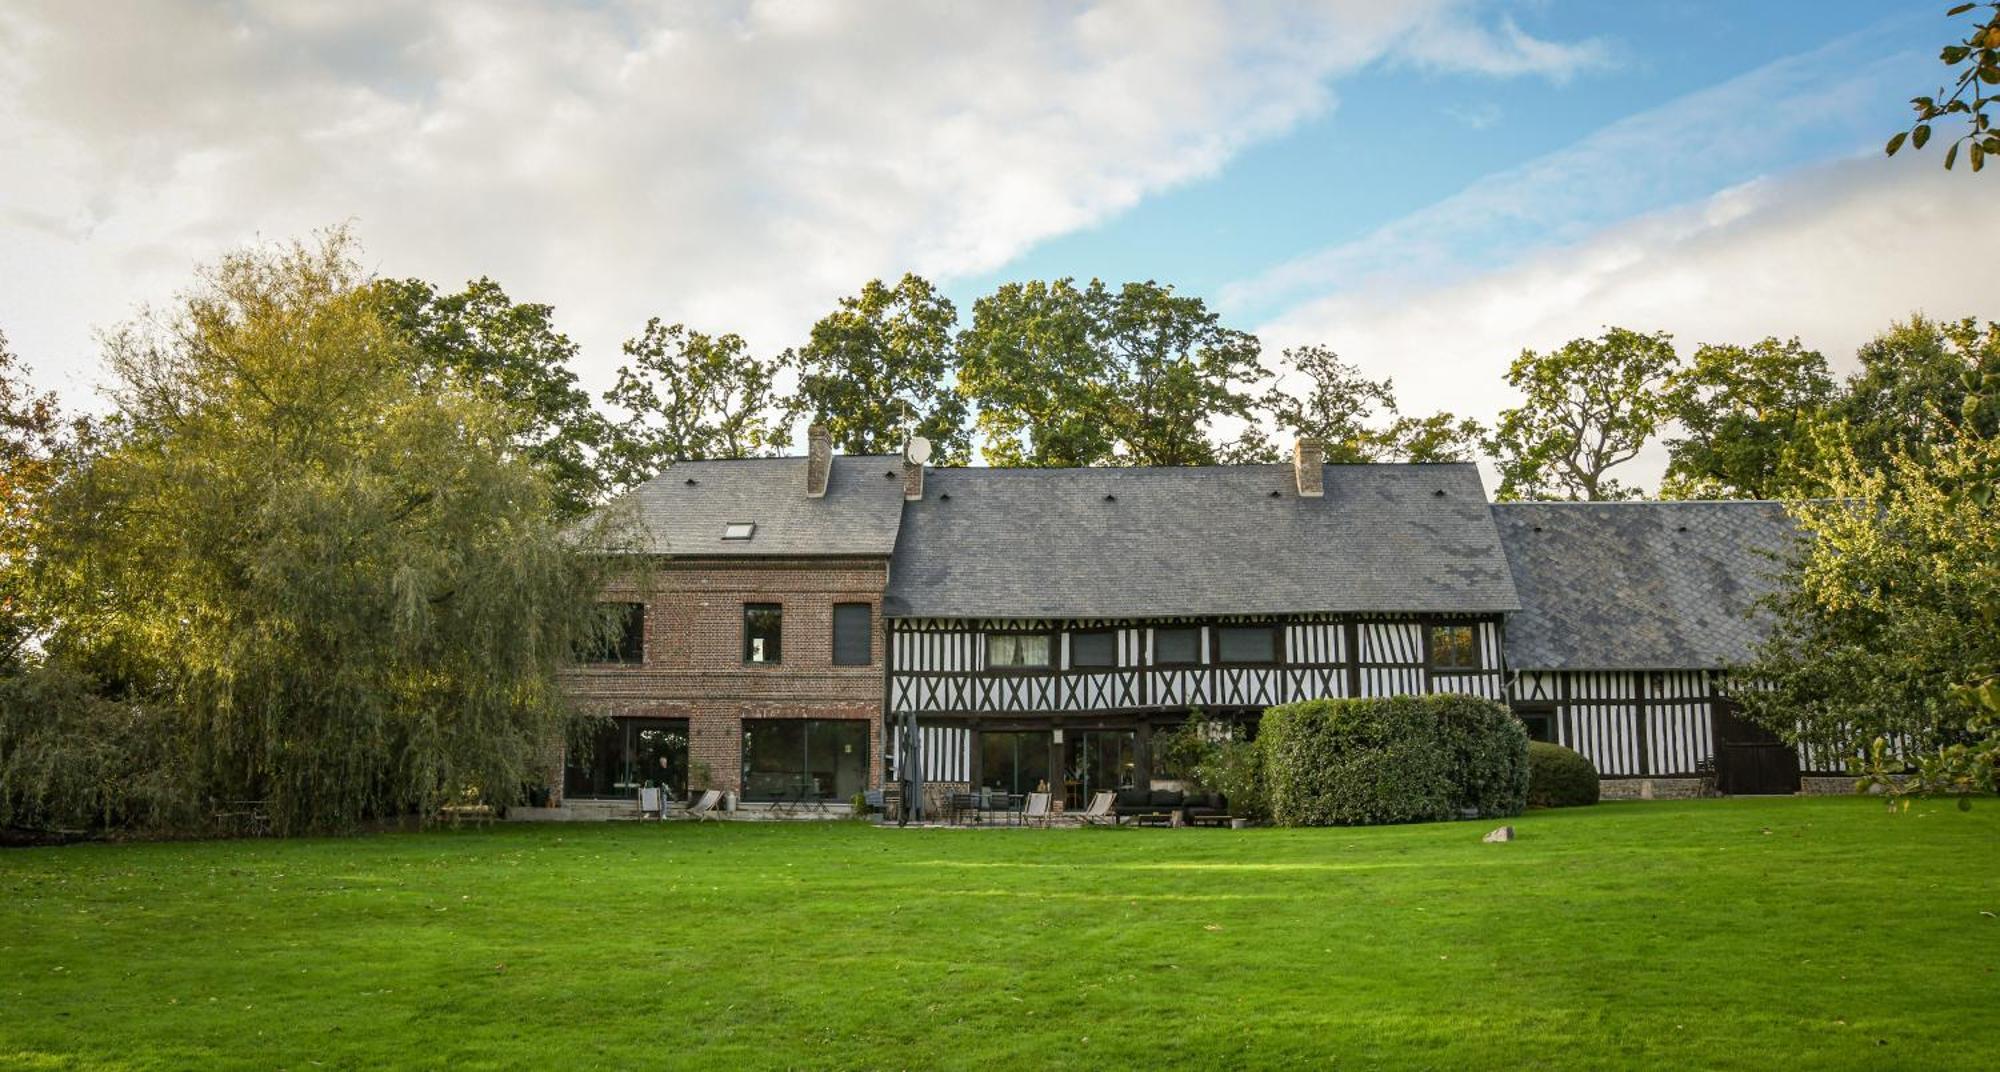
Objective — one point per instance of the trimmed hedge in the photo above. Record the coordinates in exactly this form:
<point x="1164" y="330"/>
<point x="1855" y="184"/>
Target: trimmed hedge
<point x="1559" y="777"/>
<point x="1397" y="759"/>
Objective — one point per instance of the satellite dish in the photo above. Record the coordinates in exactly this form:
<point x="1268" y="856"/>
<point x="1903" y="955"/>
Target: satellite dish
<point x="917" y="450"/>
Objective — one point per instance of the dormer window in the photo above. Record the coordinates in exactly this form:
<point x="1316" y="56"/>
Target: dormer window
<point x="739" y="530"/>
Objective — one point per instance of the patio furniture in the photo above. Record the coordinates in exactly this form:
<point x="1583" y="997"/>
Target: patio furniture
<point x="1099" y="812"/>
<point x="962" y="807"/>
<point x="652" y="803"/>
<point x="1036" y="810"/>
<point x="704" y="809"/>
<point x="1155" y="818"/>
<point x="1215" y="819"/>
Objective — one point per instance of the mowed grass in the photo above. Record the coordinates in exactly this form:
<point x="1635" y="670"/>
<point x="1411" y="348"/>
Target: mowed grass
<point x="1752" y="934"/>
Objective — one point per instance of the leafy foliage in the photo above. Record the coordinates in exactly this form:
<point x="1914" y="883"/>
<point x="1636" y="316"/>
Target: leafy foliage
<point x="482" y="340"/>
<point x="1745" y="413"/>
<point x="1588" y="406"/>
<point x="338" y="575"/>
<point x="1888" y="631"/>
<point x="73" y="759"/>
<point x="1390" y="760"/>
<point x="1976" y="65"/>
<point x="32" y="439"/>
<point x="1216" y="757"/>
<point x="1173" y="371"/>
<point x="879" y="369"/>
<point x="1913" y="387"/>
<point x="1559" y="777"/>
<point x="689" y="396"/>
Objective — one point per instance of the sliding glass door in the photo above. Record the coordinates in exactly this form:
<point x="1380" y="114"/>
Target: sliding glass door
<point x="1095" y="760"/>
<point x="626" y="755"/>
<point x="1012" y="762"/>
<point x="804" y="758"/>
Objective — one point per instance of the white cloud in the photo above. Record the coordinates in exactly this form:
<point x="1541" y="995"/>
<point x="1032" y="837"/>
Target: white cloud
<point x="737" y="165"/>
<point x="1831" y="254"/>
<point x="1750" y="125"/>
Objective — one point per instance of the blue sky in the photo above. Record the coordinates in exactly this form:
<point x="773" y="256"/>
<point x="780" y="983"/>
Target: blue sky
<point x="1428" y="186"/>
<point x="1402" y="138"/>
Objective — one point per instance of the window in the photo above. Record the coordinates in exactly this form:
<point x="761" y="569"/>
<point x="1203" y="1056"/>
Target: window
<point x="739" y="530"/>
<point x="1093" y="649"/>
<point x="625" y="755"/>
<point x="1176" y="647"/>
<point x="1454" y="647"/>
<point x="1246" y="644"/>
<point x="1541" y="723"/>
<point x="763" y="632"/>
<point x="804" y="758"/>
<point x="627" y="641"/>
<point x="1017" y="651"/>
<point x="1014" y="762"/>
<point x="853" y="626"/>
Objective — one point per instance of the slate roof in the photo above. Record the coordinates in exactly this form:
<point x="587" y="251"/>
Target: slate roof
<point x="1640" y="585"/>
<point x="682" y="511"/>
<point x="1211" y="540"/>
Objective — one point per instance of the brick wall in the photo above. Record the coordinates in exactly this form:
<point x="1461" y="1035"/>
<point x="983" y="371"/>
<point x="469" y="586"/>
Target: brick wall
<point x="693" y="664"/>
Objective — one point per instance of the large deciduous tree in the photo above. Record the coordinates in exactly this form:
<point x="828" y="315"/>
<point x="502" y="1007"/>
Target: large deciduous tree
<point x="1035" y="363"/>
<point x="332" y="580"/>
<point x="688" y="395"/>
<point x="1173" y="372"/>
<point x="482" y="339"/>
<point x="1745" y="414"/>
<point x="1911" y="391"/>
<point x="1587" y="407"/>
<point x="1356" y="418"/>
<point x="31" y="440"/>
<point x="879" y="369"/>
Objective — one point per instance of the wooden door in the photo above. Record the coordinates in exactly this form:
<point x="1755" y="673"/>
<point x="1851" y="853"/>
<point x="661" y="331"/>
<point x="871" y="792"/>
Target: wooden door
<point x="1749" y="759"/>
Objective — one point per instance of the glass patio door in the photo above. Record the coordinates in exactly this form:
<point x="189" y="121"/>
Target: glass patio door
<point x="1095" y="760"/>
<point x="629" y="754"/>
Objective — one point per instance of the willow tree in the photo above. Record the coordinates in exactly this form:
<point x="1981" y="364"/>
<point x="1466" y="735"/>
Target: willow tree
<point x="349" y="593"/>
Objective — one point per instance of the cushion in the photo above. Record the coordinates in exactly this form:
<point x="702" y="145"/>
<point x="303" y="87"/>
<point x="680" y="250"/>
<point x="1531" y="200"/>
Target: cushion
<point x="1133" y="798"/>
<point x="1166" y="798"/>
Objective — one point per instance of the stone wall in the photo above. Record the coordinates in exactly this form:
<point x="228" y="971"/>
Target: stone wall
<point x="1652" y="788"/>
<point x="692" y="664"/>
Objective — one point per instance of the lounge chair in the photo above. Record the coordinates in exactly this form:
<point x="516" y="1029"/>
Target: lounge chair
<point x="652" y="803"/>
<point x="705" y="807"/>
<point x="1099" y="812"/>
<point x="1036" y="810"/>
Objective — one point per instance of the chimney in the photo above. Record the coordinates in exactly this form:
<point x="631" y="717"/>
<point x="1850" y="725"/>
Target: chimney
<point x="915" y="453"/>
<point x="1308" y="461"/>
<point x="819" y="460"/>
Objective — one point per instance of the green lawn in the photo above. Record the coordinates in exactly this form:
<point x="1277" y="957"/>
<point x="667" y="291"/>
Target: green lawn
<point x="1753" y="934"/>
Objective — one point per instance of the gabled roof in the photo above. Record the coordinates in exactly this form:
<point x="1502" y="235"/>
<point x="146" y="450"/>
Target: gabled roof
<point x="683" y="510"/>
<point x="1207" y="540"/>
<point x="1640" y="585"/>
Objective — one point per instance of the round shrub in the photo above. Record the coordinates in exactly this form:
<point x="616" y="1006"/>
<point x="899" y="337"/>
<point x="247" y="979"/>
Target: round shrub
<point x="1392" y="760"/>
<point x="1559" y="777"/>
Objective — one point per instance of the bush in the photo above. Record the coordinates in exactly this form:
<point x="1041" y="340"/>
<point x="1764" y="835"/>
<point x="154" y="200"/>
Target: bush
<point x="1559" y="777"/>
<point x="1213" y="757"/>
<point x="74" y="761"/>
<point x="1392" y="760"/>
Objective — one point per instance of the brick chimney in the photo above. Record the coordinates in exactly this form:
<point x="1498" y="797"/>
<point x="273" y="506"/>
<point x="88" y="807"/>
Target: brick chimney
<point x="819" y="460"/>
<point x="1308" y="461"/>
<point x="916" y="452"/>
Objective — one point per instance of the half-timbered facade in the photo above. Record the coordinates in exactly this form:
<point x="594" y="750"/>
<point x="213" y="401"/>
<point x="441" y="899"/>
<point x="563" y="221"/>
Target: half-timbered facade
<point x="1632" y="614"/>
<point x="1044" y="623"/>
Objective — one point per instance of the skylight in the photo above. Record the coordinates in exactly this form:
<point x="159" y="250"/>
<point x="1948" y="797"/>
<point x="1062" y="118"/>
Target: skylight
<point x="739" y="530"/>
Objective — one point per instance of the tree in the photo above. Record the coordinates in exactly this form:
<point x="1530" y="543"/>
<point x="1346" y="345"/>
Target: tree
<point x="1911" y="391"/>
<point x="1976" y="64"/>
<point x="1357" y="419"/>
<point x="1440" y="437"/>
<point x="481" y="339"/>
<point x="1172" y="372"/>
<point x="333" y="580"/>
<point x="1745" y="414"/>
<point x="689" y="395"/>
<point x="31" y="441"/>
<point x="1587" y="407"/>
<point x="1887" y="632"/>
<point x="878" y="370"/>
<point x="1035" y="364"/>
<point x="1335" y="406"/>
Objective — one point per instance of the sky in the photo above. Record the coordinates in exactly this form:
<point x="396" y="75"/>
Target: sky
<point x="1428" y="187"/>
